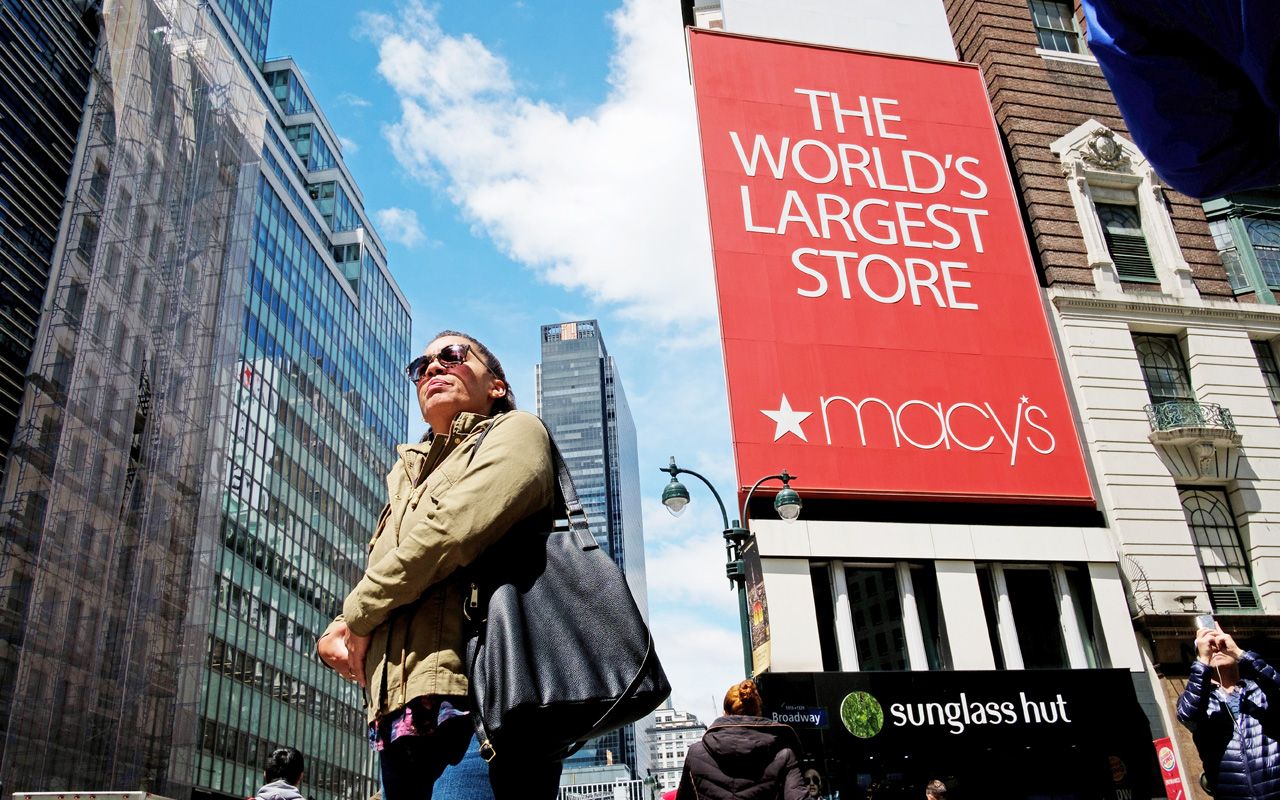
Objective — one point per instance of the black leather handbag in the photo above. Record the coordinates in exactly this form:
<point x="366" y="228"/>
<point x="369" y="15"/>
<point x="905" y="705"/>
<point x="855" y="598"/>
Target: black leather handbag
<point x="558" y="652"/>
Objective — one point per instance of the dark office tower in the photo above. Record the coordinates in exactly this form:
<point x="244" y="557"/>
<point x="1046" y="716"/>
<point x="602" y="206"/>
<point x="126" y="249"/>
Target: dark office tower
<point x="46" y="50"/>
<point x="109" y="515"/>
<point x="580" y="397"/>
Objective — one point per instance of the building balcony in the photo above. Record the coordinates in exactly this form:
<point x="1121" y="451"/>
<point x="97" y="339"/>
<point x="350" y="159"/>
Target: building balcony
<point x="1181" y="418"/>
<point x="1196" y="440"/>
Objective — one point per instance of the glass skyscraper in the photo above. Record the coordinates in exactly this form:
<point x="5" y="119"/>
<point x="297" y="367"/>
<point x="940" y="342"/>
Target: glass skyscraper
<point x="580" y="397"/>
<point x="212" y="404"/>
<point x="318" y="410"/>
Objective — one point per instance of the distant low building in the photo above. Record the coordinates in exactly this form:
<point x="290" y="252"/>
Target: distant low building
<point x="669" y="740"/>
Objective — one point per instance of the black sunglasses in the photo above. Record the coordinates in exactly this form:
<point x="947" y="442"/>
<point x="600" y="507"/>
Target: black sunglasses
<point x="451" y="355"/>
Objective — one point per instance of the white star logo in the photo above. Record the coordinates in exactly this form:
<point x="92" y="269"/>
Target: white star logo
<point x="788" y="421"/>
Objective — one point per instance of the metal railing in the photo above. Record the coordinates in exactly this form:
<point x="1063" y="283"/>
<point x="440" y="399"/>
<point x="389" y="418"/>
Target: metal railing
<point x="1188" y="414"/>
<point x="613" y="790"/>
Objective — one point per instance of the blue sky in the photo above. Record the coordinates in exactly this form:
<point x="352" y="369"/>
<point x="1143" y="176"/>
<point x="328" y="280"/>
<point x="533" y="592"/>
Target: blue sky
<point x="531" y="162"/>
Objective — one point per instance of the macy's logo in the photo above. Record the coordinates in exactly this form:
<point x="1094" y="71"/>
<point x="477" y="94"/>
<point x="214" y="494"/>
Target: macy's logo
<point x="922" y="424"/>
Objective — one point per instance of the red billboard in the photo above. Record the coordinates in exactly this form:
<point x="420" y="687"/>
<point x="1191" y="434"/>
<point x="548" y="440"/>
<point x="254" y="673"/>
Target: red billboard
<point x="884" y="332"/>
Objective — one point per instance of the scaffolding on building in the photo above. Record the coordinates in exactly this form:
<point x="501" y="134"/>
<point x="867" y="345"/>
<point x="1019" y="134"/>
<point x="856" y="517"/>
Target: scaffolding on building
<point x="110" y="509"/>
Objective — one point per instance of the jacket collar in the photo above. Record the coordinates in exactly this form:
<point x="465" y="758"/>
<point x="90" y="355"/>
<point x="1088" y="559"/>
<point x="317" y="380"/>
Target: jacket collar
<point x="420" y="457"/>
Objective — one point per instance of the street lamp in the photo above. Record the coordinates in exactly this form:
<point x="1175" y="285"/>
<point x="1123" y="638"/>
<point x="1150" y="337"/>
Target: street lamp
<point x="787" y="503"/>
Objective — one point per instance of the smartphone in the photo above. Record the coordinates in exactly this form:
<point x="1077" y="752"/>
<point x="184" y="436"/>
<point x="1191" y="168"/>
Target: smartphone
<point x="1205" y="621"/>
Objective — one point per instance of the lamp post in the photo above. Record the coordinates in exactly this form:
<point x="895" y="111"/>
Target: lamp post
<point x="675" y="497"/>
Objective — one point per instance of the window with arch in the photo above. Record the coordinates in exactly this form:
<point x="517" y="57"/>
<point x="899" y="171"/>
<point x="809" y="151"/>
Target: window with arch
<point x="1218" y="546"/>
<point x="1164" y="370"/>
<point x="1264" y="236"/>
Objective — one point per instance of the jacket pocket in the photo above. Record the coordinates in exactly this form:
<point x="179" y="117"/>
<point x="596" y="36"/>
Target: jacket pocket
<point x="436" y="484"/>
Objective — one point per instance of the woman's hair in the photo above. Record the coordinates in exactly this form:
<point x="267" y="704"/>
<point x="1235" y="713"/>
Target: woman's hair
<point x="500" y="404"/>
<point x="743" y="699"/>
<point x="284" y="763"/>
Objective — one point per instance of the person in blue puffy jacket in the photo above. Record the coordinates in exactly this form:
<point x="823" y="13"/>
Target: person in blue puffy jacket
<point x="1232" y="707"/>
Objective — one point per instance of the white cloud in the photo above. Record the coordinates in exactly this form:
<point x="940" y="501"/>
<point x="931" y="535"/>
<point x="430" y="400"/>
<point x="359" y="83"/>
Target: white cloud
<point x="400" y="225"/>
<point x="702" y="661"/>
<point x="609" y="203"/>
<point x="349" y="146"/>
<point x="354" y="100"/>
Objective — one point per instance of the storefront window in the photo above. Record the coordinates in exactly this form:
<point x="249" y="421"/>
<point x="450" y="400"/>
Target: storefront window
<point x="1087" y="619"/>
<point x="986" y="582"/>
<point x="1035" y="603"/>
<point x="824" y="606"/>
<point x="1024" y="606"/>
<point x="876" y="609"/>
<point x="933" y="629"/>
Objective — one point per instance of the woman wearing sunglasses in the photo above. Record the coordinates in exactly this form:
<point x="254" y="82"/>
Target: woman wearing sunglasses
<point x="401" y="632"/>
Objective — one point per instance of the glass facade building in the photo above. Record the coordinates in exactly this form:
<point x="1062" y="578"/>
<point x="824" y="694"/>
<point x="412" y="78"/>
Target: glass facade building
<point x="213" y="401"/>
<point x="317" y="412"/>
<point x="581" y="398"/>
<point x="44" y="75"/>
<point x="250" y="19"/>
<point x="110" y="507"/>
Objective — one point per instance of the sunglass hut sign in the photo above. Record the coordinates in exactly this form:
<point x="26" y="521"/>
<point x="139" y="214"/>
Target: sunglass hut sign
<point x="864" y="715"/>
<point x="883" y="327"/>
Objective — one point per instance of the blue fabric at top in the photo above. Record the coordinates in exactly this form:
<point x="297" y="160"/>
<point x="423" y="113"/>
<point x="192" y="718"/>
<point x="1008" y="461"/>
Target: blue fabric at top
<point x="1198" y="83"/>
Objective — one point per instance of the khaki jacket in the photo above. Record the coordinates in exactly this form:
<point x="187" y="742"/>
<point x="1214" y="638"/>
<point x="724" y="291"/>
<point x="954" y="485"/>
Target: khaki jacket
<point x="445" y="508"/>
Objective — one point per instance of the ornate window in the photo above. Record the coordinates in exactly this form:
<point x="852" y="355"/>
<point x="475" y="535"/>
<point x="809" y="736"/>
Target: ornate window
<point x="1128" y="234"/>
<point x="1222" y="557"/>
<point x="1163" y="368"/>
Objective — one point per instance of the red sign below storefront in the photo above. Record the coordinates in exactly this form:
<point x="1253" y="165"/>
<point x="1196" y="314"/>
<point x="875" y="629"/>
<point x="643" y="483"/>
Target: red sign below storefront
<point x="1169" y="771"/>
<point x="884" y="332"/>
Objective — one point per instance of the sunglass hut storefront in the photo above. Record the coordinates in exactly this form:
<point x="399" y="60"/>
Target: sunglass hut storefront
<point x="1051" y="734"/>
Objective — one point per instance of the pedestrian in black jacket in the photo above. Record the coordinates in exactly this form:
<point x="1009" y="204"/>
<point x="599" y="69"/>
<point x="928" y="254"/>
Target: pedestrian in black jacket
<point x="743" y="756"/>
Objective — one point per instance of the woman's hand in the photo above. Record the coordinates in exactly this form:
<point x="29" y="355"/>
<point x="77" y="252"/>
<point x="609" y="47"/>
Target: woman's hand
<point x="1228" y="644"/>
<point x="357" y="647"/>
<point x="1205" y="644"/>
<point x="334" y="649"/>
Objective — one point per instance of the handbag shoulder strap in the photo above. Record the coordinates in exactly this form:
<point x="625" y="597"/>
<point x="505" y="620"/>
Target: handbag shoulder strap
<point x="575" y="514"/>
